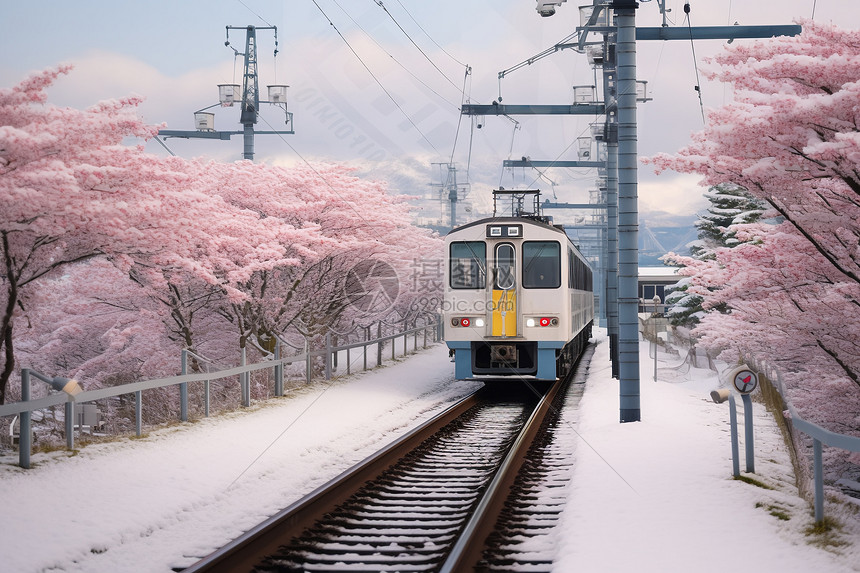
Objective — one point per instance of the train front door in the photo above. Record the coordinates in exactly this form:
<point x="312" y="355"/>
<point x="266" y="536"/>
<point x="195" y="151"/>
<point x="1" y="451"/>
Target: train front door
<point x="504" y="292"/>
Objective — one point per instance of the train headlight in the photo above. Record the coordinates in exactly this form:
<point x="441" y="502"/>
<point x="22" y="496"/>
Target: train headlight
<point x="466" y="322"/>
<point x="543" y="321"/>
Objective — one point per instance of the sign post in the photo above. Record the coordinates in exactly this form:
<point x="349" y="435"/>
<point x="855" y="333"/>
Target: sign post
<point x="745" y="381"/>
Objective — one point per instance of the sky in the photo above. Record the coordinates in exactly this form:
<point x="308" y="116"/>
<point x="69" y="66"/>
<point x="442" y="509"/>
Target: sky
<point x="651" y="496"/>
<point x="379" y="87"/>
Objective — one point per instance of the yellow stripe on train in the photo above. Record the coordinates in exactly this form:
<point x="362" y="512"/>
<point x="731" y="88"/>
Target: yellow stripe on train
<point x="504" y="317"/>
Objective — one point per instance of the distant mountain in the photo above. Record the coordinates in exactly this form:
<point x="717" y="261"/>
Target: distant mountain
<point x="661" y="233"/>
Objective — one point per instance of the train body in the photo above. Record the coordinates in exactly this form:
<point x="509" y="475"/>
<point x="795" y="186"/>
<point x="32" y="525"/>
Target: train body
<point x="518" y="299"/>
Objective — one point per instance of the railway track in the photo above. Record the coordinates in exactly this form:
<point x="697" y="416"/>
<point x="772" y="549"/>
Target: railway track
<point x="428" y="502"/>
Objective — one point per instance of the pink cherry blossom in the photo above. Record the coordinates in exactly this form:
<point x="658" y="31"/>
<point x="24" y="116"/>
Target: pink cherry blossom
<point x="791" y="138"/>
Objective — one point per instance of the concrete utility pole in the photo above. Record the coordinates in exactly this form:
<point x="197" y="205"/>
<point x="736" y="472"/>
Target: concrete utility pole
<point x="628" y="212"/>
<point x="250" y="100"/>
<point x="619" y="107"/>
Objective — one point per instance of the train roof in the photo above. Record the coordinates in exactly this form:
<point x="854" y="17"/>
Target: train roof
<point x="518" y="220"/>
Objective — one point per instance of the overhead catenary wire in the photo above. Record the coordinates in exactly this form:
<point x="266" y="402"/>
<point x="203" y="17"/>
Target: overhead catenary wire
<point x="398" y="62"/>
<point x="446" y="52"/>
<point x="375" y="79"/>
<point x="251" y="10"/>
<point x="423" y="53"/>
<point x="467" y="69"/>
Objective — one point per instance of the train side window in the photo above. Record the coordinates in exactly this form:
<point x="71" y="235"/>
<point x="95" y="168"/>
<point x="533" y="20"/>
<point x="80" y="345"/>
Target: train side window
<point x="505" y="269"/>
<point x="571" y="266"/>
<point x="468" y="260"/>
<point x="541" y="264"/>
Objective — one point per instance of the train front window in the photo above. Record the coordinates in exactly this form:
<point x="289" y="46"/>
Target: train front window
<point x="505" y="270"/>
<point x="468" y="261"/>
<point x="541" y="264"/>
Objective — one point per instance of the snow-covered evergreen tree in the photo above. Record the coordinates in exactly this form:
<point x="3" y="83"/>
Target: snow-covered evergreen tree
<point x="730" y="205"/>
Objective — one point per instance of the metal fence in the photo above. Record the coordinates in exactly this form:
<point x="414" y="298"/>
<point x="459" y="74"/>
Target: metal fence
<point x="820" y="436"/>
<point x="429" y="332"/>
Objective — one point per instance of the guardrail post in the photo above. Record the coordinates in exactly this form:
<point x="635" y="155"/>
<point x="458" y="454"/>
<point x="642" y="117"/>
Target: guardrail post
<point x="70" y="424"/>
<point x="138" y="413"/>
<point x="245" y="381"/>
<point x="279" y="369"/>
<point x="308" y="365"/>
<point x="818" y="475"/>
<point x="183" y="389"/>
<point x="206" y="398"/>
<point x="334" y="353"/>
<point x="328" y="357"/>
<point x="379" y="343"/>
<point x="24" y="433"/>
<point x="733" y="427"/>
<point x="748" y="433"/>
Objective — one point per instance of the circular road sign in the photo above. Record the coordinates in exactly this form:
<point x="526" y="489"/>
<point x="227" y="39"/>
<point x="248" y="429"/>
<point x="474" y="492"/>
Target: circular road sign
<point x="744" y="379"/>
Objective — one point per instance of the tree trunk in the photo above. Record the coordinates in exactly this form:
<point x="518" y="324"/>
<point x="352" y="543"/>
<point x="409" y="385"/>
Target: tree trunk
<point x="6" y="327"/>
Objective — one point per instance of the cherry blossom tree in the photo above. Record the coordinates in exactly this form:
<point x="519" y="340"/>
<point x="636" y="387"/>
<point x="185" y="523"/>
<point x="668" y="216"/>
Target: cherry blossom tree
<point x="791" y="138"/>
<point x="63" y="187"/>
<point x="71" y="191"/>
<point x="356" y="220"/>
<point x="176" y="248"/>
<point x="93" y="323"/>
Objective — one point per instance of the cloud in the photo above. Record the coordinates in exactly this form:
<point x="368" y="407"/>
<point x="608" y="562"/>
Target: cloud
<point x="673" y="193"/>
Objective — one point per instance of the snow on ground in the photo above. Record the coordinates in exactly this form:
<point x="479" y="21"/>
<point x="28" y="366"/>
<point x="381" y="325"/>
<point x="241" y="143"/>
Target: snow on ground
<point x="658" y="495"/>
<point x="155" y="503"/>
<point x="655" y="495"/>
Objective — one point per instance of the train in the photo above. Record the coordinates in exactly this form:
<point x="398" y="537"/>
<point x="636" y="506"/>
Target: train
<point x="518" y="296"/>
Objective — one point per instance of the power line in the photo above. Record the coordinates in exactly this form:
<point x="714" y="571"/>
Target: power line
<point x="390" y="55"/>
<point x="429" y="36"/>
<point x="254" y="13"/>
<point x="379" y="83"/>
<point x="405" y="33"/>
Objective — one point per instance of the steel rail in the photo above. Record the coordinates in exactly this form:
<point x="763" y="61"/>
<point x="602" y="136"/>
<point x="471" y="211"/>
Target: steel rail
<point x="467" y="551"/>
<point x="246" y="551"/>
